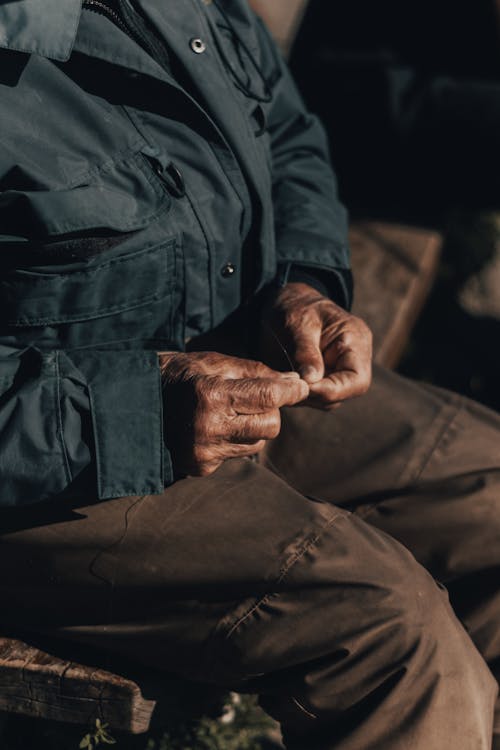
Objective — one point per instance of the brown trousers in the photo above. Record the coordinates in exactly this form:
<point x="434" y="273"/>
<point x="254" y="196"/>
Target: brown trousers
<point x="284" y="577"/>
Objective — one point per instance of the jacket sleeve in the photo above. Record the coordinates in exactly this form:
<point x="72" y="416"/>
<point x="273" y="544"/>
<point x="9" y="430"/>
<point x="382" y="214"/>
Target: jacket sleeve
<point x="310" y="221"/>
<point x="73" y="420"/>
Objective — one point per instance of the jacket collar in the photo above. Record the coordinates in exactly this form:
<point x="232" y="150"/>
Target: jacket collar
<point x="44" y="27"/>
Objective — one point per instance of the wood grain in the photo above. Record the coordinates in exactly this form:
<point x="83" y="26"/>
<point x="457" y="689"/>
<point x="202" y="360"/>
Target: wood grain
<point x="394" y="267"/>
<point x="38" y="684"/>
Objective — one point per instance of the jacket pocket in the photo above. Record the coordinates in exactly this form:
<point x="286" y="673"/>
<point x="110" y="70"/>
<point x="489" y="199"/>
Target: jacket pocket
<point x="121" y="195"/>
<point x="127" y="298"/>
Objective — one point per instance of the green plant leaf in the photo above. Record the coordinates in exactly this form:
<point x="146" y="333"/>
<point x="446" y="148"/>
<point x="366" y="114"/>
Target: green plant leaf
<point x="86" y="742"/>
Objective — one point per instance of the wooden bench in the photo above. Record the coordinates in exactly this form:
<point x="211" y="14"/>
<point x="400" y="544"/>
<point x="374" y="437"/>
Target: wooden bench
<point x="394" y="267"/>
<point x="38" y="684"/>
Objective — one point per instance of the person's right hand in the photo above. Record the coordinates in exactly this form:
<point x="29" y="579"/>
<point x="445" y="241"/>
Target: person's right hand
<point x="218" y="407"/>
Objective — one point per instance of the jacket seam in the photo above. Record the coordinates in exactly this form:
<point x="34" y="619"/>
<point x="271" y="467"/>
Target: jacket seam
<point x="102" y="266"/>
<point x="67" y="468"/>
<point x="85" y="277"/>
<point x="132" y="151"/>
<point x="92" y="315"/>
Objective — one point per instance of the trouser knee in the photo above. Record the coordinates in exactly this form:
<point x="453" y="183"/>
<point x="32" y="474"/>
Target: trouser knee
<point x="357" y="625"/>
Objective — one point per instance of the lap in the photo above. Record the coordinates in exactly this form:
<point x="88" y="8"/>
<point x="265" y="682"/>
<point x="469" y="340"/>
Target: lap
<point x="170" y="580"/>
<point x="162" y="576"/>
<point x="420" y="463"/>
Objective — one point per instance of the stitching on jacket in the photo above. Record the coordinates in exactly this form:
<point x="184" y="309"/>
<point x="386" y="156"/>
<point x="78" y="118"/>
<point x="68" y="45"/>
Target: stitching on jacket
<point x="97" y="441"/>
<point x="101" y="312"/>
<point x="57" y="374"/>
<point x="121" y="157"/>
<point x="101" y="266"/>
<point x="138" y="160"/>
<point x="104" y="489"/>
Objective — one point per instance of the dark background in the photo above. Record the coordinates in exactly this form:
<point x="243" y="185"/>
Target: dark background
<point x="410" y="95"/>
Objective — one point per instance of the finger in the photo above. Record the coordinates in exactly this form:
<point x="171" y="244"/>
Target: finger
<point x="252" y="427"/>
<point x="223" y="452"/>
<point x="241" y="450"/>
<point x="307" y="354"/>
<point x="342" y="384"/>
<point x="248" y="368"/>
<point x="318" y="402"/>
<point x="228" y="367"/>
<point x="259" y="395"/>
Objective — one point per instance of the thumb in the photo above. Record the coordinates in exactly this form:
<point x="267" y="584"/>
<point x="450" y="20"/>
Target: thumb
<point x="308" y="355"/>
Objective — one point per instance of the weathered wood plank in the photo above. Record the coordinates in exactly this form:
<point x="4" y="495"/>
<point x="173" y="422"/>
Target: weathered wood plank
<point x="394" y="267"/>
<point x="38" y="684"/>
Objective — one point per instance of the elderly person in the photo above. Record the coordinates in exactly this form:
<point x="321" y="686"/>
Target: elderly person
<point x="161" y="181"/>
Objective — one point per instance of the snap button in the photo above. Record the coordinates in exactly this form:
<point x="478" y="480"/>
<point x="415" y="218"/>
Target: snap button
<point x="228" y="270"/>
<point x="198" y="45"/>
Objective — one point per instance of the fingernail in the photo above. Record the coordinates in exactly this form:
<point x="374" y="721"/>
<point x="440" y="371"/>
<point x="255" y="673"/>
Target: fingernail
<point x="290" y="375"/>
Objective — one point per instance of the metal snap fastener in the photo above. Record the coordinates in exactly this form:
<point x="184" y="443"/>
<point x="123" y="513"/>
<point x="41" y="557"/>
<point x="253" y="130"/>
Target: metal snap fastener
<point x="228" y="270"/>
<point x="197" y="45"/>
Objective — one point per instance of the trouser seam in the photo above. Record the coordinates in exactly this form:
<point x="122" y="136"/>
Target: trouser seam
<point x="227" y="626"/>
<point x="415" y="472"/>
<point x="439" y="439"/>
<point x="306" y="545"/>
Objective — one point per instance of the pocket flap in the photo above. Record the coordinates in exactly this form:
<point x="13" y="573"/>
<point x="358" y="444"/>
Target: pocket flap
<point x="121" y="196"/>
<point x="32" y="298"/>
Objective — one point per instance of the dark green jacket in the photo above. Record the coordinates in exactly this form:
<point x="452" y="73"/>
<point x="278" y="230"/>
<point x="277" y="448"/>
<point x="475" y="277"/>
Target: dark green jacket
<point x="149" y="184"/>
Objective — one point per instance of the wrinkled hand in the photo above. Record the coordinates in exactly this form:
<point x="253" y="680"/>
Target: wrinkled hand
<point x="219" y="407"/>
<point x="329" y="347"/>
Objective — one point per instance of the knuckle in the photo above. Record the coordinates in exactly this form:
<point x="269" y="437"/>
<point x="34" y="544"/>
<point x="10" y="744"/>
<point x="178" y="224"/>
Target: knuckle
<point x="267" y="394"/>
<point x="255" y="368"/>
<point x="210" y="393"/>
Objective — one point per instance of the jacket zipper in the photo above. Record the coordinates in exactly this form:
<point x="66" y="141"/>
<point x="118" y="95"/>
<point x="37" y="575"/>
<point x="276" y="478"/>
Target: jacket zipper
<point x="105" y="10"/>
<point x="131" y="23"/>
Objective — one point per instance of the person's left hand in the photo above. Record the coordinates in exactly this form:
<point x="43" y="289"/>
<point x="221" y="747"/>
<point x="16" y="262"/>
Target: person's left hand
<point x="329" y="347"/>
